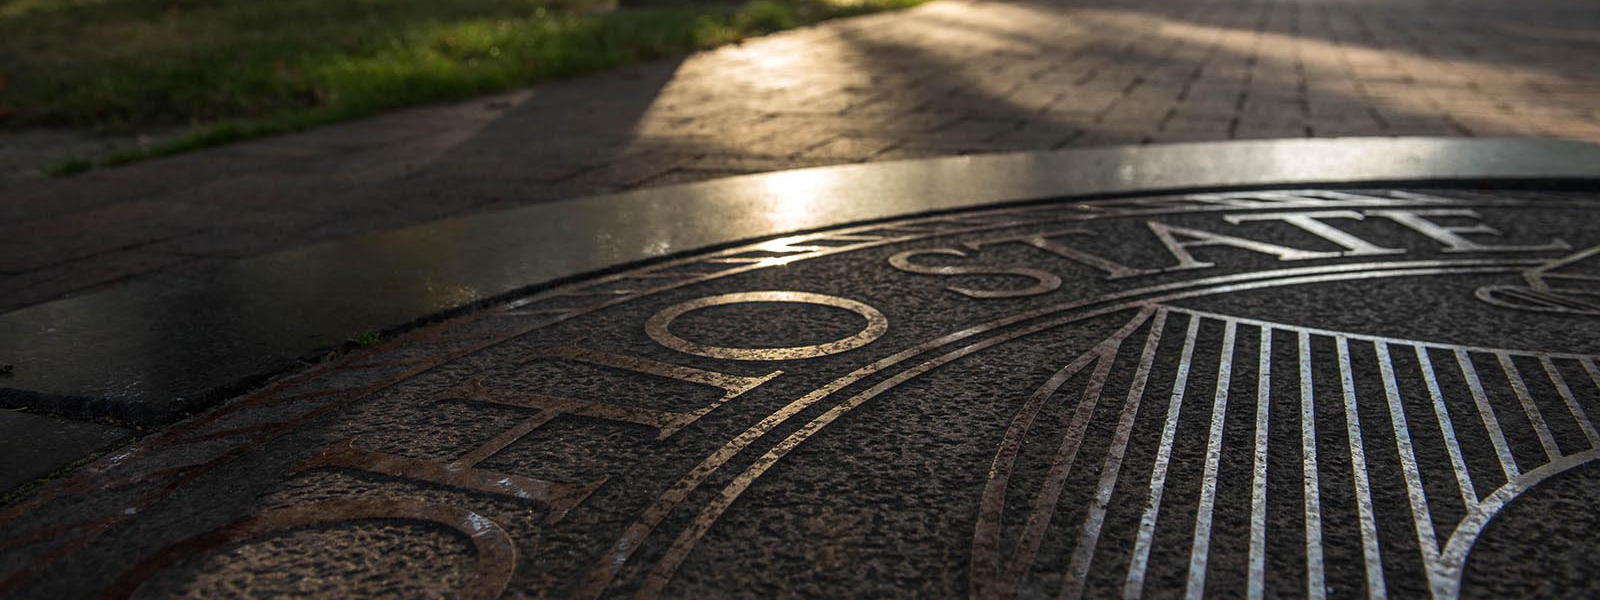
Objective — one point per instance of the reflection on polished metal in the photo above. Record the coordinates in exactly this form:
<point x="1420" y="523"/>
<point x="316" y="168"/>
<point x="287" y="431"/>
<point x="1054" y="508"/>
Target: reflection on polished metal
<point x="658" y="325"/>
<point x="133" y="351"/>
<point x="1566" y="296"/>
<point x="496" y="553"/>
<point x="1297" y="392"/>
<point x="1443" y="567"/>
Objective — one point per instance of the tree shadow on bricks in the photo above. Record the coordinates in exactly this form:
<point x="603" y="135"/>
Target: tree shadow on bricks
<point x="1127" y="73"/>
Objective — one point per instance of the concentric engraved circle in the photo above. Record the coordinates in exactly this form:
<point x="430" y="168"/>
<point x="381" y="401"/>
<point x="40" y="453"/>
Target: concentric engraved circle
<point x="1286" y="393"/>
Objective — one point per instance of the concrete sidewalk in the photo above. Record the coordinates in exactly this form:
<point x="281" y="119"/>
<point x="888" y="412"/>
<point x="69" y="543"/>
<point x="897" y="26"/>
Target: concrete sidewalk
<point x="945" y="78"/>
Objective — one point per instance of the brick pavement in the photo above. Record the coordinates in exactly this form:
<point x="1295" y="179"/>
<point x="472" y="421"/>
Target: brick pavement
<point x="949" y="77"/>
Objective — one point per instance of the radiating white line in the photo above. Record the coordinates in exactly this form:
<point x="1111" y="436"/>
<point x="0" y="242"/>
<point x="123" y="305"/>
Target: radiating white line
<point x="1083" y="555"/>
<point x="1258" y="486"/>
<point x="1440" y="582"/>
<point x="1208" y="485"/>
<point x="1535" y="417"/>
<point x="1594" y="372"/>
<point x="1447" y="430"/>
<point x="1508" y="463"/>
<point x="1572" y="403"/>
<point x="1158" y="475"/>
<point x="1316" y="584"/>
<point x="1045" y="501"/>
<point x="604" y="571"/>
<point x="1371" y="338"/>
<point x="1358" y="469"/>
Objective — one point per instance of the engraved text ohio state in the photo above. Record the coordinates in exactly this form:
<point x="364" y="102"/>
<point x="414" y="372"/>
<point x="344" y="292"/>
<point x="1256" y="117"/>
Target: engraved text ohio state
<point x="1321" y="393"/>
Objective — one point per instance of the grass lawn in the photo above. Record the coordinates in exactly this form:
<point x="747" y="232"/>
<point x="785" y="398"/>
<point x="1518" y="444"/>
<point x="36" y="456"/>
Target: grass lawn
<point x="232" y="69"/>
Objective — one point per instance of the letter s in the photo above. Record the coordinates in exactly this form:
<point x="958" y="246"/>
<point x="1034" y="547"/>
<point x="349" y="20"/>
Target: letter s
<point x="1044" y="282"/>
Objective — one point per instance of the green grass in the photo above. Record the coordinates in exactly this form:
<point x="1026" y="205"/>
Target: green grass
<point x="233" y="69"/>
<point x="71" y="165"/>
<point x="365" y="339"/>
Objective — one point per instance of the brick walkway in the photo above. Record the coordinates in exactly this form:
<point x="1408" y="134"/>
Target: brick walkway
<point x="945" y="78"/>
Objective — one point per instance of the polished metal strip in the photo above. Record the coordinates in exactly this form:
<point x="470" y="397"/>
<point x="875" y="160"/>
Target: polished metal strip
<point x="1357" y="337"/>
<point x="1508" y="463"/>
<point x="661" y="572"/>
<point x="1208" y="486"/>
<point x="1044" y="505"/>
<point x="1316" y="584"/>
<point x="1447" y="430"/>
<point x="1045" y="501"/>
<point x="1258" y="485"/>
<point x="1083" y="555"/>
<point x="1572" y="403"/>
<point x="1454" y="554"/>
<point x="985" y="571"/>
<point x="1158" y="474"/>
<point x="1589" y="367"/>
<point x="1535" y="417"/>
<point x="1421" y="516"/>
<point x="1358" y="468"/>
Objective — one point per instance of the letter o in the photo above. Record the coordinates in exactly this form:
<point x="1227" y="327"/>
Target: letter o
<point x="657" y="326"/>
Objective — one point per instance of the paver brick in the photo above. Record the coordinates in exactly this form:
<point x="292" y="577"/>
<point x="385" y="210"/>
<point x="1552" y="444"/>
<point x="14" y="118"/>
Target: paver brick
<point x="947" y="77"/>
<point x="1193" y="130"/>
<point x="677" y="176"/>
<point x="849" y="148"/>
<point x="630" y="171"/>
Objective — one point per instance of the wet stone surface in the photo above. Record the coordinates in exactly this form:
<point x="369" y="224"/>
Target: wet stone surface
<point x="1357" y="392"/>
<point x="31" y="446"/>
